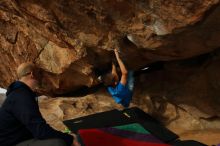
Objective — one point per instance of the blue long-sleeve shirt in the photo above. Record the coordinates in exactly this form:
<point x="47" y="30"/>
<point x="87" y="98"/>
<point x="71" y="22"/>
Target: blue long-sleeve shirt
<point x="20" y="118"/>
<point x="121" y="94"/>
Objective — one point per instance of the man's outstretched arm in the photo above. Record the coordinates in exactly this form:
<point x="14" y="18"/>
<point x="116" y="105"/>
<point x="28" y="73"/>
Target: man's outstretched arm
<point x="123" y="69"/>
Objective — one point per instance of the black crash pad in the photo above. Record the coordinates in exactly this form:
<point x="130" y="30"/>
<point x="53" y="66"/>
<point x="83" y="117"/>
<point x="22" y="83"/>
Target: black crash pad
<point x="116" y="117"/>
<point x="127" y="116"/>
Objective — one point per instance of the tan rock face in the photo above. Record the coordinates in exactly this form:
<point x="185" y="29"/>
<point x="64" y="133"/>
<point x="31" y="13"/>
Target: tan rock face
<point x="71" y="39"/>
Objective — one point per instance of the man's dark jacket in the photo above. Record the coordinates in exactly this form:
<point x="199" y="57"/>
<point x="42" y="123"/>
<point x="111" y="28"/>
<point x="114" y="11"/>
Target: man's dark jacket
<point x="20" y="118"/>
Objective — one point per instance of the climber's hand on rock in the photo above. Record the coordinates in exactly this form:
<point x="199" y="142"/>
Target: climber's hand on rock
<point x="116" y="50"/>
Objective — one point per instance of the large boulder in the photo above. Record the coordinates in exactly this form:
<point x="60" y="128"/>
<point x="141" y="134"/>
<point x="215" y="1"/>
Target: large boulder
<point x="187" y="84"/>
<point x="71" y="40"/>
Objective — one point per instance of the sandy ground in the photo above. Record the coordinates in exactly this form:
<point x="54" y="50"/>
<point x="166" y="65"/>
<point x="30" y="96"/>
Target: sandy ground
<point x="207" y="136"/>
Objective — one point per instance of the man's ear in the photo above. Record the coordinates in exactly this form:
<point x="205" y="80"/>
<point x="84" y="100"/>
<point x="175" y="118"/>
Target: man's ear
<point x="32" y="74"/>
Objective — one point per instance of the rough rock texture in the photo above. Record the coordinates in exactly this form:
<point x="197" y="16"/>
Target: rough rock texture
<point x="70" y="40"/>
<point x="183" y="95"/>
<point x="194" y="82"/>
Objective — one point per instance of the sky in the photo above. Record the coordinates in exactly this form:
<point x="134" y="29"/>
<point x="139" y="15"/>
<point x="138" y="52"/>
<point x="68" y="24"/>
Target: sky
<point x="2" y="90"/>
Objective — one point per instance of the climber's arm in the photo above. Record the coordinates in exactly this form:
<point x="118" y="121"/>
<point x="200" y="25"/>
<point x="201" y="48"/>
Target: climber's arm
<point x="114" y="72"/>
<point x="123" y="69"/>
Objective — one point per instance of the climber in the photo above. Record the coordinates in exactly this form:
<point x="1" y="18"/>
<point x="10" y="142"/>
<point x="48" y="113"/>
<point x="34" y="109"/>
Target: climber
<point x="121" y="90"/>
<point x="21" y="123"/>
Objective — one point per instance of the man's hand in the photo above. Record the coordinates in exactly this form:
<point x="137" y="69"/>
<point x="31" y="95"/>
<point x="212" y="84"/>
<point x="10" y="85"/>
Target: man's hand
<point x="75" y="141"/>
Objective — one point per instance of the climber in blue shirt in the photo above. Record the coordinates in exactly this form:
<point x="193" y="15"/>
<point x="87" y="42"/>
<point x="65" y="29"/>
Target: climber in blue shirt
<point x="121" y="90"/>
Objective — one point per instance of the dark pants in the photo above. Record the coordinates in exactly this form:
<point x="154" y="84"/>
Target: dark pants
<point x="46" y="142"/>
